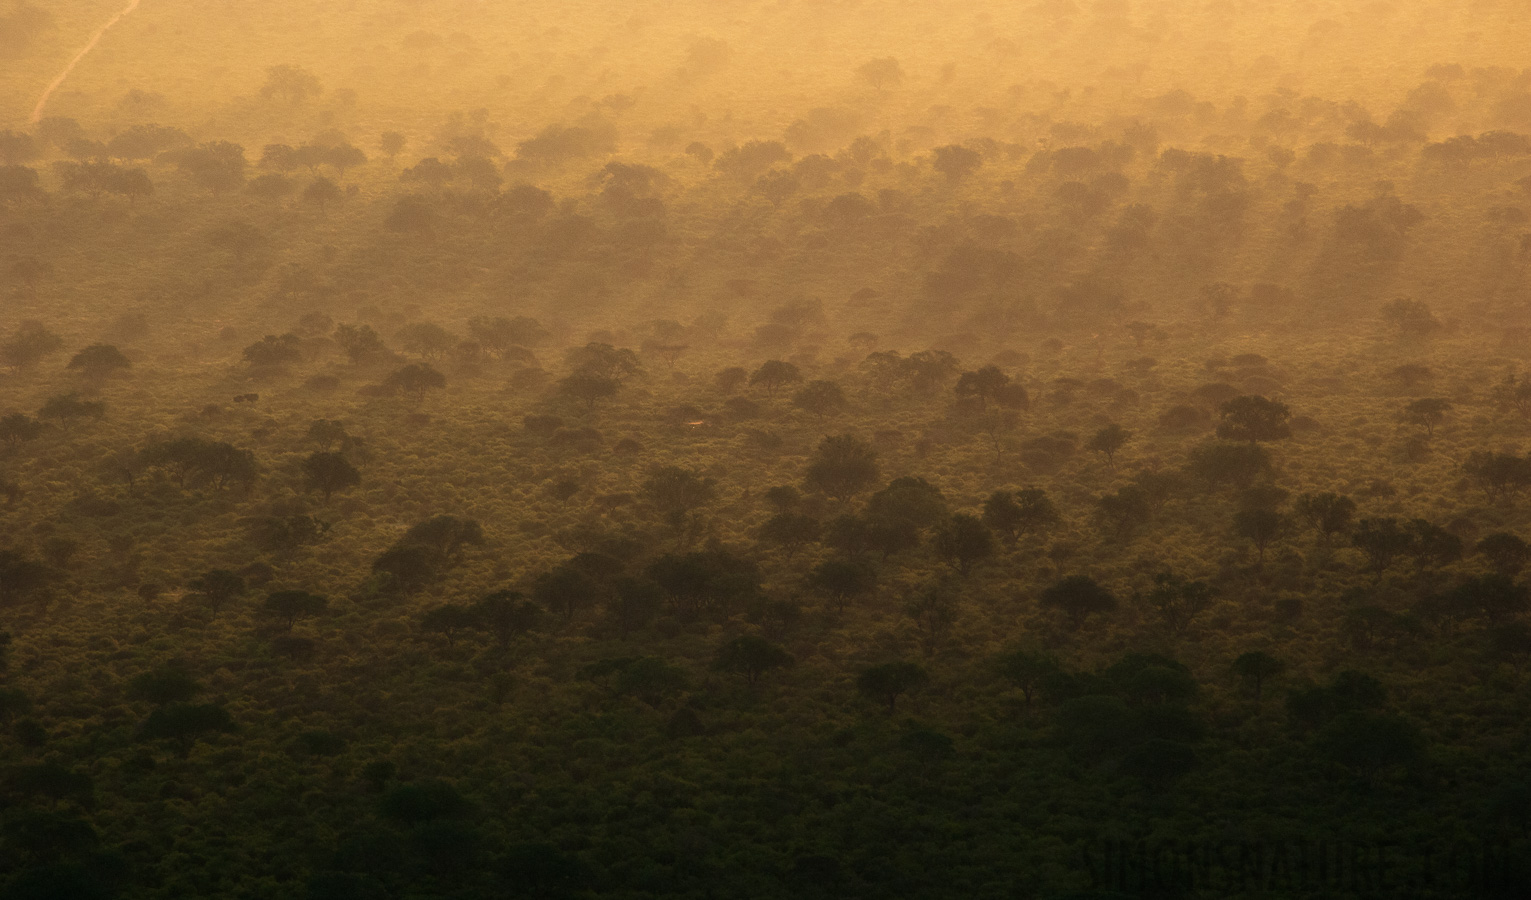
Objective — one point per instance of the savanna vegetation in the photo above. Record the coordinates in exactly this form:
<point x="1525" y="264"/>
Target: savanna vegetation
<point x="759" y="449"/>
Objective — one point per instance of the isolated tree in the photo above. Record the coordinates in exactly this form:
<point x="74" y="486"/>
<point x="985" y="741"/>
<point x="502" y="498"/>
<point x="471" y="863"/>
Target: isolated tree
<point x="934" y="614"/>
<point x="1078" y="597"/>
<point x="98" y="361"/>
<point x="506" y="615"/>
<point x="841" y="467"/>
<point x="391" y="143"/>
<point x="731" y="379"/>
<point x="328" y="472"/>
<point x="218" y="166"/>
<point x="18" y="428"/>
<point x="842" y="580"/>
<point x="1371" y="742"/>
<point x="1108" y="440"/>
<point x="1494" y="597"/>
<point x="426" y="339"/>
<point x="272" y="351"/>
<point x="588" y="388"/>
<point x="1433" y="546"/>
<point x="1178" y="601"/>
<point x="1254" y="419"/>
<point x="445" y="537"/>
<point x="1028" y="671"/>
<point x="751" y="657"/>
<point x="218" y="587"/>
<point x="566" y="590"/>
<point x="773" y="375"/>
<point x="448" y="620"/>
<point x="963" y="541"/>
<point x="791" y="531"/>
<point x="889" y="681"/>
<point x="1383" y="540"/>
<point x="822" y="398"/>
<point x="21" y="578"/>
<point x="1505" y="552"/>
<point x="678" y="493"/>
<point x="1221" y="463"/>
<point x="239" y="239"/>
<point x="321" y="192"/>
<point x="1329" y="514"/>
<point x="1427" y="413"/>
<point x="1260" y="527"/>
<point x="956" y="162"/>
<point x="415" y="379"/>
<point x="1013" y="514"/>
<point x="881" y="73"/>
<point x="988" y="386"/>
<point x="290" y="84"/>
<point x="603" y="359"/>
<point x="167" y="683"/>
<point x="1502" y="476"/>
<point x="183" y="724"/>
<point x="1255" y="668"/>
<point x="66" y="408"/>
<point x="28" y="345"/>
<point x="1410" y="318"/>
<point x="1124" y="512"/>
<point x="288" y="607"/>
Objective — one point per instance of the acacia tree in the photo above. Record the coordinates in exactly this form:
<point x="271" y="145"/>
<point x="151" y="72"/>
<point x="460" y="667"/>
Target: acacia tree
<point x="98" y="361"/>
<point x="678" y="493"/>
<point x="964" y="540"/>
<point x="1013" y="514"/>
<point x="1108" y="440"/>
<point x="1256" y="668"/>
<point x="1427" y="413"/>
<point x="218" y="587"/>
<point x="842" y="467"/>
<point x="750" y="656"/>
<point x="415" y="379"/>
<point x="328" y="472"/>
<point x="1260" y="527"/>
<point x="1078" y="597"/>
<point x="28" y="345"/>
<point x="1178" y="601"/>
<point x="773" y="375"/>
<point x="1027" y="670"/>
<point x="822" y="398"/>
<point x="1329" y="514"/>
<point x="889" y="681"/>
<point x="288" y="607"/>
<point x="843" y="580"/>
<point x="1254" y="419"/>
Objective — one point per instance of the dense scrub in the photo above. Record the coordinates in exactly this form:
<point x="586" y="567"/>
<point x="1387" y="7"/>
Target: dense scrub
<point x="825" y="507"/>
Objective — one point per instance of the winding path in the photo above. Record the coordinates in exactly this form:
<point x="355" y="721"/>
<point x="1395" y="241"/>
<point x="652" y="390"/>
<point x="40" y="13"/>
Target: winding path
<point x="42" y="102"/>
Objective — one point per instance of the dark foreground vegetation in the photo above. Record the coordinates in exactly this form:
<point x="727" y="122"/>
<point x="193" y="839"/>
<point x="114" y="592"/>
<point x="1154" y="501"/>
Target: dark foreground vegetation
<point x="831" y="513"/>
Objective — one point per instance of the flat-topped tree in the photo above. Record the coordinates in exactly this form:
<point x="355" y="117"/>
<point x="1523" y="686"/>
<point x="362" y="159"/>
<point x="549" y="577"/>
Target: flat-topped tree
<point x="98" y="361"/>
<point x="28" y="345"/>
<point x="750" y="656"/>
<point x="889" y="681"/>
<point x="773" y="375"/>
<point x="1254" y="419"/>
<point x="288" y="607"/>
<point x="415" y="379"/>
<point x="1078" y="597"/>
<point x="328" y="472"/>
<point x="842" y="467"/>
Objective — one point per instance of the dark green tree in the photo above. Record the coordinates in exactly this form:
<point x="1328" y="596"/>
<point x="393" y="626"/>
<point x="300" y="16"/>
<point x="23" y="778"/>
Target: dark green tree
<point x="750" y="656"/>
<point x="1078" y="597"/>
<point x="889" y="681"/>
<point x="327" y="472"/>
<point x="841" y="467"/>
